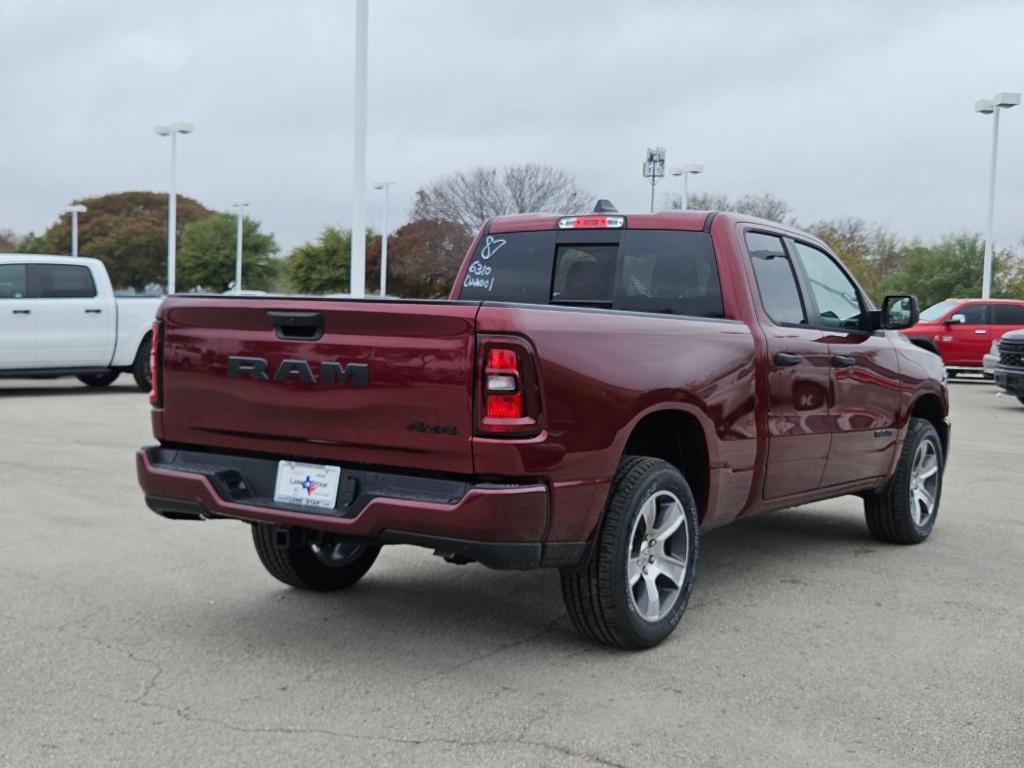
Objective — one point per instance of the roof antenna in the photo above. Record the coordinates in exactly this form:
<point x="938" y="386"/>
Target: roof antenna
<point x="605" y="206"/>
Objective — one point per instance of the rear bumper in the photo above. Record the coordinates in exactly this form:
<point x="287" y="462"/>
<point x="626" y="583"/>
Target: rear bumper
<point x="499" y="525"/>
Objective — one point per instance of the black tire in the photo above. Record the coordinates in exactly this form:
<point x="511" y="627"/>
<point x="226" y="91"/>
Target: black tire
<point x="890" y="511"/>
<point x="312" y="560"/>
<point x="601" y="603"/>
<point x="140" y="366"/>
<point x="1020" y="399"/>
<point x="104" y="379"/>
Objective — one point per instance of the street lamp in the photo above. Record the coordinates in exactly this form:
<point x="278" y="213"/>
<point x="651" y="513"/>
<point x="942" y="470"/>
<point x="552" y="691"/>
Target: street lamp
<point x="238" y="205"/>
<point x="172" y="130"/>
<point x="384" y="238"/>
<point x="992" y="107"/>
<point x="74" y="210"/>
<point x="685" y="171"/>
<point x="357" y="273"/>
<point x="654" y="168"/>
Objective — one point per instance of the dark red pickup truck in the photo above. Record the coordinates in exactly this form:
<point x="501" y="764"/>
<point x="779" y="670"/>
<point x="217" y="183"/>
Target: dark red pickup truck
<point x="597" y="390"/>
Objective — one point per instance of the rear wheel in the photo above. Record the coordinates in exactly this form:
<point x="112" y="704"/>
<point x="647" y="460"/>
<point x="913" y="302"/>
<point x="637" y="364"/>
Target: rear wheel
<point x="904" y="510"/>
<point x="104" y="379"/>
<point x="140" y="366"/>
<point x="634" y="588"/>
<point x="313" y="560"/>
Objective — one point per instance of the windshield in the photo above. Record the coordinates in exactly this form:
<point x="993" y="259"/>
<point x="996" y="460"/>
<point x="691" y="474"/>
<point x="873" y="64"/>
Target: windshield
<point x="935" y="311"/>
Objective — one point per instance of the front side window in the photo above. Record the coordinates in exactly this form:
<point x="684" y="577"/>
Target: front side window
<point x="776" y="279"/>
<point x="62" y="281"/>
<point x="835" y="294"/>
<point x="1008" y="314"/>
<point x="12" y="281"/>
<point x="974" y="314"/>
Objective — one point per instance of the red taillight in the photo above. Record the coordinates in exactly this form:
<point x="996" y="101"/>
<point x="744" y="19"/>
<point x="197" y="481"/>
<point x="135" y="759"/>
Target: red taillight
<point x="509" y="400"/>
<point x="591" y="222"/>
<point x="154" y="365"/>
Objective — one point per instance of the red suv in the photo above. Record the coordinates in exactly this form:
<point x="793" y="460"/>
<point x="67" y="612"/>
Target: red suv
<point x="961" y="331"/>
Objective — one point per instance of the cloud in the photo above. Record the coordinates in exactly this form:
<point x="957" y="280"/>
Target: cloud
<point x="843" y="109"/>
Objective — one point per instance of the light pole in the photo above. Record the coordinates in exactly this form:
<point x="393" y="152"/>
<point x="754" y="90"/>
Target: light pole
<point x="685" y="171"/>
<point x="654" y="168"/>
<point x="384" y="238"/>
<point x="358" y="266"/>
<point x="991" y="107"/>
<point x="172" y="130"/>
<point x="238" y="205"/>
<point x="74" y="210"/>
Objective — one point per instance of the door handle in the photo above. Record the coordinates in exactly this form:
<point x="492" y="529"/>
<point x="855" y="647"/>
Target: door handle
<point x="843" y="361"/>
<point x="22" y="311"/>
<point x="93" y="311"/>
<point x="785" y="359"/>
<point x="982" y="331"/>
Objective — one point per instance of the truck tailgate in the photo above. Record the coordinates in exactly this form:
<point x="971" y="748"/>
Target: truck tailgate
<point x="386" y="383"/>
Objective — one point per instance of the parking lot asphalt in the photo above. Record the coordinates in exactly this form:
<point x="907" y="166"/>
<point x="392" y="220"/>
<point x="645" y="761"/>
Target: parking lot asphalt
<point x="130" y="640"/>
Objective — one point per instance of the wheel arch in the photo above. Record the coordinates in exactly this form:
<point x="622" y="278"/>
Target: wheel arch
<point x="675" y="435"/>
<point x="928" y="406"/>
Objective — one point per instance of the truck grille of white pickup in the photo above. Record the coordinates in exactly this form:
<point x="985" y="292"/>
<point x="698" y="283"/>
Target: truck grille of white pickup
<point x="1011" y="353"/>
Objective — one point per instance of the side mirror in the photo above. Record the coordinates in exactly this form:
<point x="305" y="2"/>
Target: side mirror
<point x="956" y="319"/>
<point x="899" y="312"/>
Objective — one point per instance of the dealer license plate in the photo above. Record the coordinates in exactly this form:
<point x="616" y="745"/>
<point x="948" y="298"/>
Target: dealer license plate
<point x="311" y="485"/>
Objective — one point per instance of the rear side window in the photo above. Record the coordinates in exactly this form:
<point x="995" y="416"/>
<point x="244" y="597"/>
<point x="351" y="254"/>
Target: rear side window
<point x="661" y="271"/>
<point x="62" y="281"/>
<point x="1008" y="314"/>
<point x="776" y="279"/>
<point x="12" y="281"/>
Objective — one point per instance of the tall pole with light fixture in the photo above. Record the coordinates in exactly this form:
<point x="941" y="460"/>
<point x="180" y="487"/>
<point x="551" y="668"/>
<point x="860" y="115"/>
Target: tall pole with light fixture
<point x="654" y="168"/>
<point x="991" y="107"/>
<point x="358" y="267"/>
<point x="384" y="238"/>
<point x="172" y="130"/>
<point x="74" y="210"/>
<point x="239" y="206"/>
<point x="685" y="172"/>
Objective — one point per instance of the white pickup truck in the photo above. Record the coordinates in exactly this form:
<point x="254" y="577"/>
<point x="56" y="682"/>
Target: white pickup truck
<point x="59" y="317"/>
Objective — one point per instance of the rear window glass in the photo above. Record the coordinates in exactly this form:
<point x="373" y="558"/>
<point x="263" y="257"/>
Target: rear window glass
<point x="645" y="271"/>
<point x="12" y="281"/>
<point x="1008" y="314"/>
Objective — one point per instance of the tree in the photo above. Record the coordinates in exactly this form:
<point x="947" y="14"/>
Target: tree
<point x="206" y="260"/>
<point x="764" y="206"/>
<point x="423" y="259"/>
<point x="470" y="198"/>
<point x="322" y="266"/>
<point x="126" y="230"/>
<point x="8" y="241"/>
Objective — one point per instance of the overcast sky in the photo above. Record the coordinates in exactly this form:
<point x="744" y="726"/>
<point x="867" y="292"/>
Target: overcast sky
<point x="855" y="109"/>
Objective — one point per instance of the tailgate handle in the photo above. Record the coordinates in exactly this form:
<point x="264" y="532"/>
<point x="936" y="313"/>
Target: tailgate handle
<point x="305" y="326"/>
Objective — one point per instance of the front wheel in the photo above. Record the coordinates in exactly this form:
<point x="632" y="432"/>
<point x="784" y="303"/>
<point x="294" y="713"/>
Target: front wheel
<point x="104" y="379"/>
<point x="634" y="587"/>
<point x="312" y="560"/>
<point x="903" y="511"/>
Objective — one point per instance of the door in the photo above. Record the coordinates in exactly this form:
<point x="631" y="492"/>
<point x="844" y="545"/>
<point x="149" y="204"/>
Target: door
<point x="17" y="320"/>
<point x="966" y="343"/>
<point x="75" y="326"/>
<point x="798" y="375"/>
<point x="865" y="393"/>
